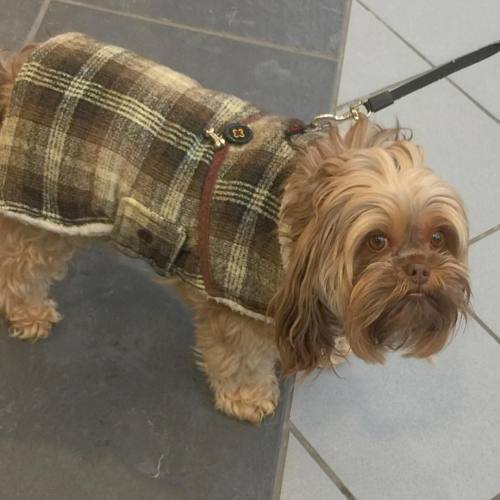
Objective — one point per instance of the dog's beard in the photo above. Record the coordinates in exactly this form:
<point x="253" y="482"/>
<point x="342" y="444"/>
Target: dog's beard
<point x="387" y="311"/>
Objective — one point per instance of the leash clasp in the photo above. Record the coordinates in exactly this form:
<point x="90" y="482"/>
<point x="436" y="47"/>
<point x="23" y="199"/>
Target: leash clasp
<point x="352" y="113"/>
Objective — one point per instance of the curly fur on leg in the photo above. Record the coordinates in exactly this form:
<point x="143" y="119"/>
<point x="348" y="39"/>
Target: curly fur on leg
<point x="238" y="355"/>
<point x="30" y="259"/>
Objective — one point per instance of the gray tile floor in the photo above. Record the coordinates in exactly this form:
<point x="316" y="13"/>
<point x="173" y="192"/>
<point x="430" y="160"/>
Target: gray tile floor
<point x="410" y="430"/>
<point x="111" y="406"/>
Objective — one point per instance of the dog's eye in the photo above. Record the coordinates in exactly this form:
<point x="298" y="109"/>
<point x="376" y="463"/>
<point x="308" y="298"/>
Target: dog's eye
<point x="437" y="239"/>
<point x="377" y="242"/>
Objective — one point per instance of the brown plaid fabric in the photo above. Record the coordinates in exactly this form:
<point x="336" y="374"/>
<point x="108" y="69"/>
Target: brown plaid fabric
<point x="99" y="141"/>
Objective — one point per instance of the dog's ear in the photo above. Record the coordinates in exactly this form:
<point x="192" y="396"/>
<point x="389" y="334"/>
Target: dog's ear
<point x="304" y="325"/>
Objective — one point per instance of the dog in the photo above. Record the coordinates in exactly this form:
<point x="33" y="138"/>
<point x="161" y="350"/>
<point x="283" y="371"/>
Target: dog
<point x="345" y="243"/>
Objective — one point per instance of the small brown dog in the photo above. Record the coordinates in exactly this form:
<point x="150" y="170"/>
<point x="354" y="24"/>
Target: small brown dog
<point x="351" y="244"/>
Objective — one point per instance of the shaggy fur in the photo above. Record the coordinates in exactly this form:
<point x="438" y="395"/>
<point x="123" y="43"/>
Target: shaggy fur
<point x="375" y="250"/>
<point x="344" y="191"/>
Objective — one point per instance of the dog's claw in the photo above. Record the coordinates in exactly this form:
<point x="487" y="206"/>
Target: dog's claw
<point x="34" y="329"/>
<point x="247" y="404"/>
<point x="34" y="332"/>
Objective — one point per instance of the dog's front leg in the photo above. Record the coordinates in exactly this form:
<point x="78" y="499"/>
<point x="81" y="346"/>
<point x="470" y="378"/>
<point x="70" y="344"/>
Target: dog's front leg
<point x="30" y="259"/>
<point x="239" y="356"/>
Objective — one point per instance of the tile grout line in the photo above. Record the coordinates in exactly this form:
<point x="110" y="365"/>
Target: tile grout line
<point x="283" y="451"/>
<point x="219" y="34"/>
<point x="478" y="320"/>
<point x="484" y="234"/>
<point x="320" y="461"/>
<point x="37" y="22"/>
<point x="278" y="481"/>
<point x="485" y="327"/>
<point x="428" y="61"/>
<point x="486" y="111"/>
<point x="340" y="58"/>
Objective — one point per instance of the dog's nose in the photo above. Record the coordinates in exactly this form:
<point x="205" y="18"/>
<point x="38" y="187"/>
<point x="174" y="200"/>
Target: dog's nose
<point x="419" y="273"/>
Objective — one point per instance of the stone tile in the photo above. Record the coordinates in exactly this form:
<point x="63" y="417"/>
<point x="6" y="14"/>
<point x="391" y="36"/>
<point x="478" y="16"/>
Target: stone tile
<point x="306" y="24"/>
<point x="444" y="32"/>
<point x="485" y="276"/>
<point x="16" y="21"/>
<point x="450" y="31"/>
<point x="303" y="477"/>
<point x="481" y="82"/>
<point x="112" y="405"/>
<point x="278" y="81"/>
<point x="409" y="429"/>
<point x="460" y="141"/>
<point x="374" y="57"/>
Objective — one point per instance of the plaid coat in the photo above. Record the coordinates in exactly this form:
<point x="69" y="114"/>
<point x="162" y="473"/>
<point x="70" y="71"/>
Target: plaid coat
<point x="99" y="141"/>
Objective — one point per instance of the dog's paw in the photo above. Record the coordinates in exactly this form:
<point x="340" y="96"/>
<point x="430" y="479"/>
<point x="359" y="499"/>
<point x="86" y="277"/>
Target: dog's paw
<point x="248" y="403"/>
<point x="33" y="324"/>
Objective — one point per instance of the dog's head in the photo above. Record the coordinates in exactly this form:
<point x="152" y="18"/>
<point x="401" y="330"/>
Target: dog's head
<point x="375" y="246"/>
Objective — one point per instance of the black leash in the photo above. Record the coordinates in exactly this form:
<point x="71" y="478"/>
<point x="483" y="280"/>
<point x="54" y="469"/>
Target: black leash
<point x="385" y="98"/>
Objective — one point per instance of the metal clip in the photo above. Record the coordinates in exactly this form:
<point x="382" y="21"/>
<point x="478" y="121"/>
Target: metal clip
<point x="218" y="140"/>
<point x="351" y="114"/>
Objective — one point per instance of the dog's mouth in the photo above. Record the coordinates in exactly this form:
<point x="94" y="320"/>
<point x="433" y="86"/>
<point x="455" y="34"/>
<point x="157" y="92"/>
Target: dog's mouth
<point x="387" y="312"/>
<point x="417" y="297"/>
<point x="416" y="316"/>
